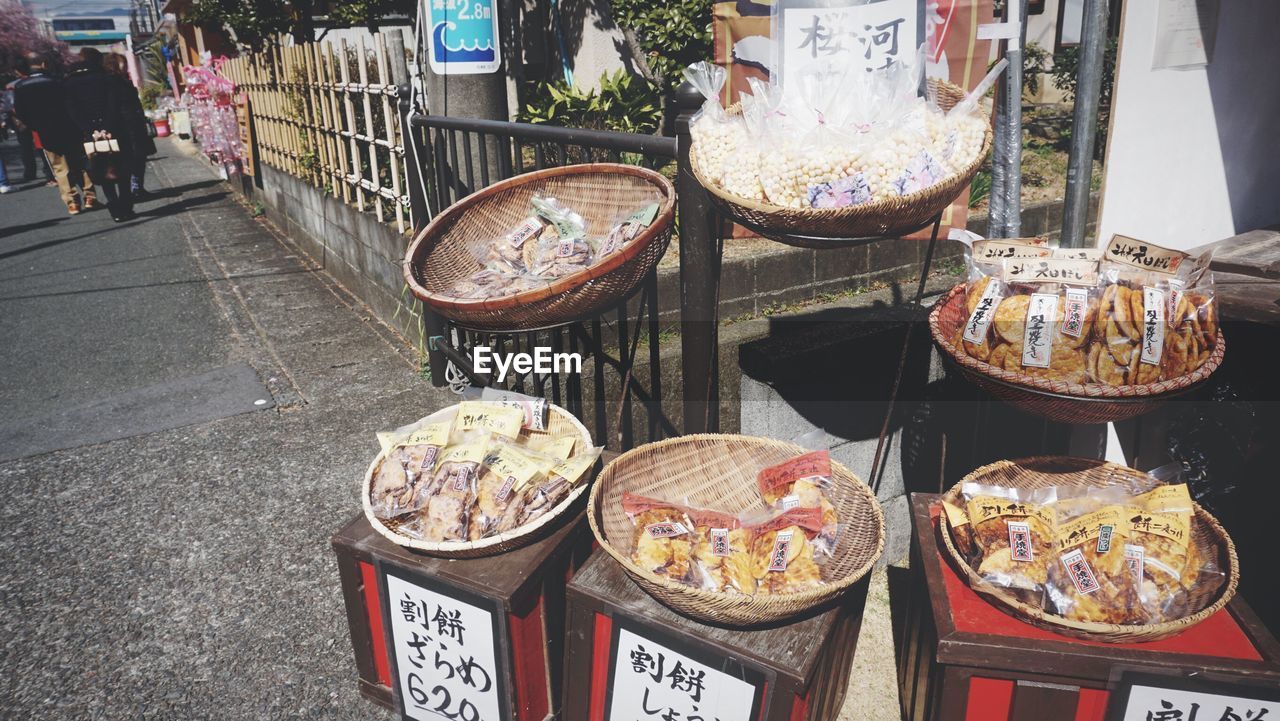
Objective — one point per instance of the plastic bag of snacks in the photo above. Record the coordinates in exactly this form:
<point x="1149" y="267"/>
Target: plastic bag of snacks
<point x="804" y="482"/>
<point x="721" y="552"/>
<point x="1012" y="537"/>
<point x="535" y="409"/>
<point x="718" y="139"/>
<point x="504" y="475"/>
<point x="783" y="558"/>
<point x="1157" y="318"/>
<point x="401" y="480"/>
<point x="625" y="229"/>
<point x="1088" y="578"/>
<point x="1162" y="557"/>
<point x="663" y="538"/>
<point x="559" y="479"/>
<point x="961" y="530"/>
<point x="447" y="514"/>
<point x="477" y="418"/>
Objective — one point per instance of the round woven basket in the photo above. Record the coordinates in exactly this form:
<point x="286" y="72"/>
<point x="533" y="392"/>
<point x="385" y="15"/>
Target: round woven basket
<point x="1042" y="471"/>
<point x="560" y="424"/>
<point x="719" y="471"/>
<point x="447" y="250"/>
<point x="840" y="227"/>
<point x="1052" y="399"/>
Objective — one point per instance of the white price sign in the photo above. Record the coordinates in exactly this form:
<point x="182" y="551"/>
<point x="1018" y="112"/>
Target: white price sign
<point x="1161" y="698"/>
<point x="446" y="666"/>
<point x="653" y="680"/>
<point x="824" y="36"/>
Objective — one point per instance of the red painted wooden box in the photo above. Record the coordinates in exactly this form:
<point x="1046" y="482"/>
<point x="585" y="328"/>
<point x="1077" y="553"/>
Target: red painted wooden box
<point x="629" y="657"/>
<point x="520" y="592"/>
<point x="962" y="659"/>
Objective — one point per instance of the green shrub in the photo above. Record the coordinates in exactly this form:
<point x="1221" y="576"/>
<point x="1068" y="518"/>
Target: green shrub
<point x="625" y="103"/>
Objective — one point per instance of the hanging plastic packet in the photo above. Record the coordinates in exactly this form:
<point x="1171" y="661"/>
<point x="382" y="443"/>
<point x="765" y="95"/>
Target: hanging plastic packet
<point x="1044" y="324"/>
<point x="504" y="476"/>
<point x="759" y="109"/>
<point x="561" y="248"/>
<point x="627" y="228"/>
<point x="782" y="551"/>
<point x="967" y="123"/>
<point x="663" y="539"/>
<point x="560" y="477"/>
<point x="447" y="514"/>
<point x="721" y="552"/>
<point x="1013" y="537"/>
<point x="401" y="480"/>
<point x="1088" y="578"/>
<point x="718" y="140"/>
<point x="804" y="482"/>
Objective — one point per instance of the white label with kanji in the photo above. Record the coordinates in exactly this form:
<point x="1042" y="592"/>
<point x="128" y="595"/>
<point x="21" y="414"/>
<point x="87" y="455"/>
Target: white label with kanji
<point x="444" y="651"/>
<point x="1151" y="702"/>
<point x="870" y="36"/>
<point x="1037" y="336"/>
<point x="1152" y="325"/>
<point x="651" y="681"/>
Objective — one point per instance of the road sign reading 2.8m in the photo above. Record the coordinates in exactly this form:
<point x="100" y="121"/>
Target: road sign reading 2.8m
<point x="464" y="37"/>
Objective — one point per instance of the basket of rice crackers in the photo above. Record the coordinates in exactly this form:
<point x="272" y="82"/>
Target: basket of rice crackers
<point x="1089" y="549"/>
<point x="735" y="530"/>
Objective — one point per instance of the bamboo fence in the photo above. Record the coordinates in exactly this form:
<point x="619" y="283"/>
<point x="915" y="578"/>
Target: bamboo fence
<point x="329" y="114"/>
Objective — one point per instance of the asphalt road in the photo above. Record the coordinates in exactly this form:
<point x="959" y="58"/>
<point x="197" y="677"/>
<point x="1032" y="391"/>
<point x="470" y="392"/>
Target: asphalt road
<point x="187" y="405"/>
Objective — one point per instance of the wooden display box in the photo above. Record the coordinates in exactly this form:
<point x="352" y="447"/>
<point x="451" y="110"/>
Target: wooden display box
<point x="628" y="652"/>
<point x="962" y="659"/>
<point x="519" y="596"/>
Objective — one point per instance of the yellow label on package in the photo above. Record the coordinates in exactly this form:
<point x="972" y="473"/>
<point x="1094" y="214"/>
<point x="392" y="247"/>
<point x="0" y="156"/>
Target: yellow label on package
<point x="1142" y="255"/>
<point x="955" y="515"/>
<point x="1165" y="498"/>
<point x="1106" y="520"/>
<point x="509" y="463"/>
<point x="1175" y="526"/>
<point x="465" y="453"/>
<point x="502" y="420"/>
<point x="435" y="434"/>
<point x="560" y="448"/>
<point x="985" y="508"/>
<point x="1051" y="270"/>
<point x="573" y="469"/>
<point x="994" y="251"/>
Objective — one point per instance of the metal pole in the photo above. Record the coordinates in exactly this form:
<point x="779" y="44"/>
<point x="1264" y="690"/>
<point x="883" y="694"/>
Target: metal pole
<point x="1084" y="123"/>
<point x="698" y="281"/>
<point x="1013" y="148"/>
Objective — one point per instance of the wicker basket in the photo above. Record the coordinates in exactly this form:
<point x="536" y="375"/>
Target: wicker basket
<point x="560" y="424"/>
<point x="1043" y="471"/>
<point x="1057" y="400"/>
<point x="719" y="471"/>
<point x="447" y="249"/>
<point x="840" y="227"/>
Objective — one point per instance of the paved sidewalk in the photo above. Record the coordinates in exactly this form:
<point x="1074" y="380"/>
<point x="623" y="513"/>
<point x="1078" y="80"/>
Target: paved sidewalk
<point x="165" y="536"/>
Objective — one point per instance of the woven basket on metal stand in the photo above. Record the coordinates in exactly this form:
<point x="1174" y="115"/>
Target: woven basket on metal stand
<point x="449" y="249"/>
<point x="840" y="227"/>
<point x="1052" y="399"/>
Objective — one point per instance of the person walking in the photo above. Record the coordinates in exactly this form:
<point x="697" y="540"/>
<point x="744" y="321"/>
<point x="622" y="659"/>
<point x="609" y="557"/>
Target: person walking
<point x="28" y="141"/>
<point x="39" y="103"/>
<point x="98" y="107"/>
<point x="118" y="69"/>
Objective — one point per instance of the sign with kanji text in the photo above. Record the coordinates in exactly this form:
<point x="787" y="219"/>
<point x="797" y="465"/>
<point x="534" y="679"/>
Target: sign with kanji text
<point x="814" y="36"/>
<point x="443" y="645"/>
<point x="464" y="37"/>
<point x="1149" y="697"/>
<point x="653" y="676"/>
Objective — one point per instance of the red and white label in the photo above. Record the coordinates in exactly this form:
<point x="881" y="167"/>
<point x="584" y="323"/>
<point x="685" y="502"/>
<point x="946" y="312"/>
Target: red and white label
<point x="720" y="542"/>
<point x="1076" y="306"/>
<point x="1078" y="568"/>
<point x="1135" y="558"/>
<point x="791" y="501"/>
<point x="1175" y="297"/>
<point x="781" y="547"/>
<point x="505" y="490"/>
<point x="525" y="231"/>
<point x="429" y="459"/>
<point x="459" y="477"/>
<point x="666" y="529"/>
<point x="1020" y="540"/>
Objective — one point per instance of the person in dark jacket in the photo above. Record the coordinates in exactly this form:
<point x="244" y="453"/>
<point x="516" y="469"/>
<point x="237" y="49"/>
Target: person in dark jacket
<point x="39" y="102"/>
<point x="99" y="108"/>
<point x="118" y="69"/>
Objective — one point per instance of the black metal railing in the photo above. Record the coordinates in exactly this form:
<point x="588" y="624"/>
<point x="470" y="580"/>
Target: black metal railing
<point x="619" y="392"/>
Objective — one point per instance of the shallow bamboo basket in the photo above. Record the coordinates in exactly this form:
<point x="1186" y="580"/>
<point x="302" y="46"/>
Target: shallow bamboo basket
<point x="839" y="227"/>
<point x="1053" y="399"/>
<point x="447" y="250"/>
<point x="1042" y="471"/>
<point x="719" y="471"/>
<point x="561" y="424"/>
